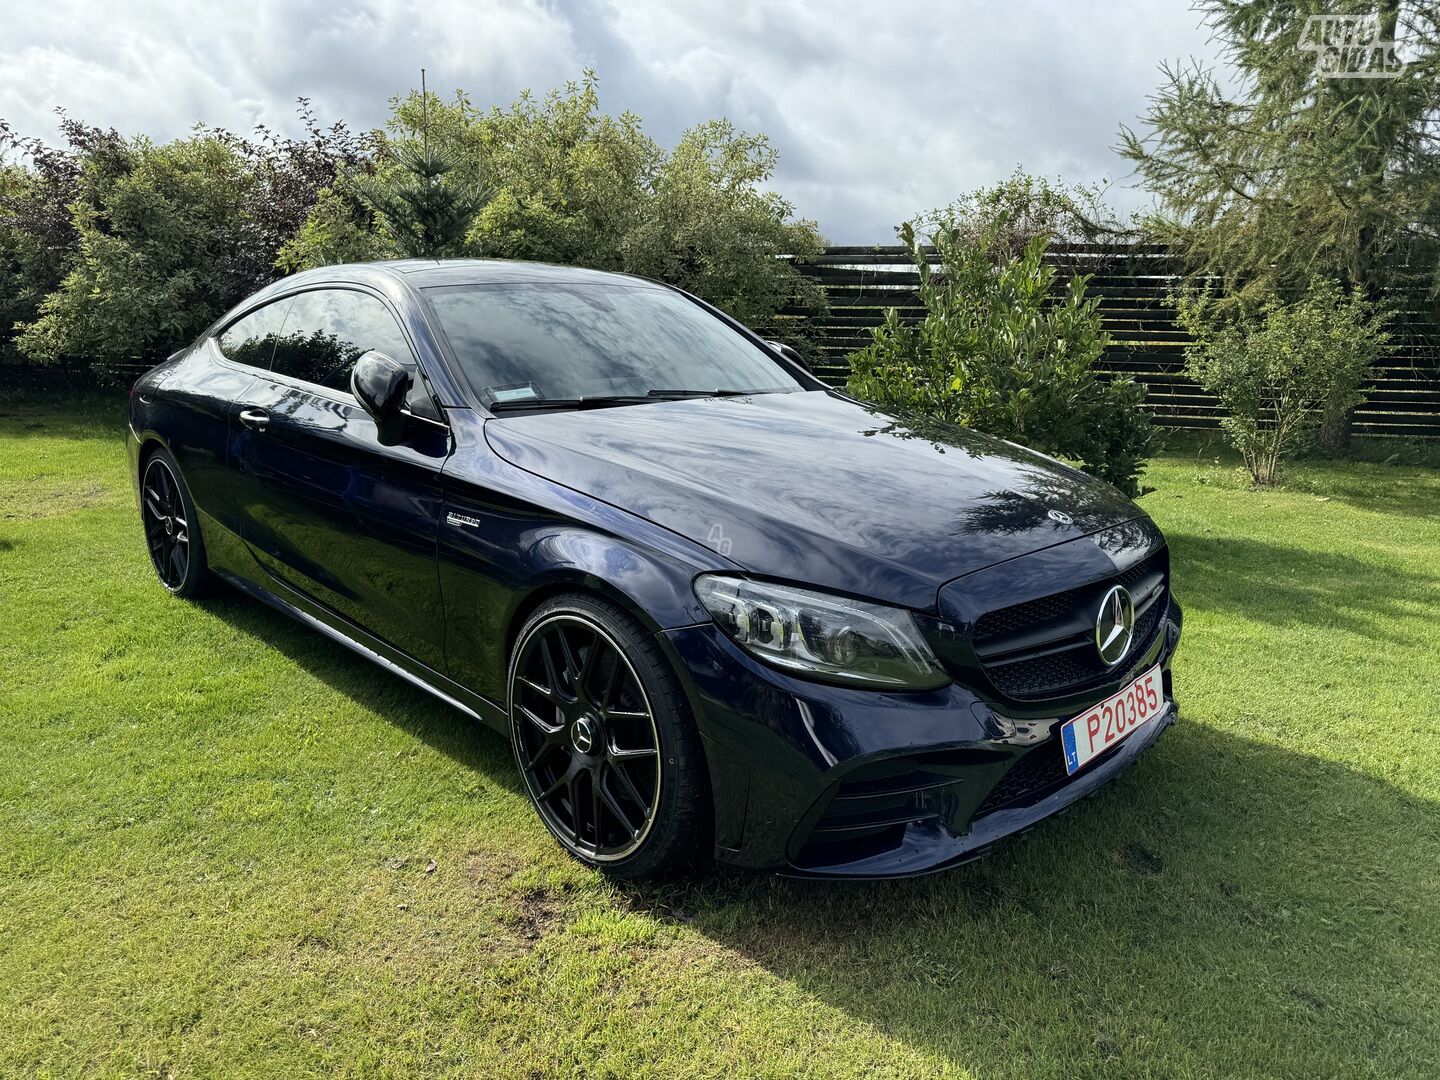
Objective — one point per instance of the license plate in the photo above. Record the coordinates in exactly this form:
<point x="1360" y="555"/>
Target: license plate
<point x="1108" y="723"/>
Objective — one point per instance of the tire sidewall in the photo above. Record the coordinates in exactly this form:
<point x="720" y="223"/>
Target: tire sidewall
<point x="673" y="843"/>
<point x="195" y="566"/>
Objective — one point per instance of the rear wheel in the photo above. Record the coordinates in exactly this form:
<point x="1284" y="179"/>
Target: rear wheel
<point x="172" y="531"/>
<point x="605" y="742"/>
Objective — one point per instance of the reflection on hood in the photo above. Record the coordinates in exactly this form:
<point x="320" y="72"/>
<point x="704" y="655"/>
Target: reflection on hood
<point x="814" y="488"/>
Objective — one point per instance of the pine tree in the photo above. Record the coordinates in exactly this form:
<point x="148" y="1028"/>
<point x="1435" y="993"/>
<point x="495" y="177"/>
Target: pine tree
<point x="423" y="210"/>
<point x="1285" y="171"/>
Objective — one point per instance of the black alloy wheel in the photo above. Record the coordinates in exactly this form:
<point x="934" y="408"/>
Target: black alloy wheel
<point x="171" y="532"/>
<point x="607" y="750"/>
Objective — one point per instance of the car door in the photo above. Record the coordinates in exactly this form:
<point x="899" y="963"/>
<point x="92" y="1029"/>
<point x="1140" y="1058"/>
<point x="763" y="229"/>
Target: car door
<point x="327" y="509"/>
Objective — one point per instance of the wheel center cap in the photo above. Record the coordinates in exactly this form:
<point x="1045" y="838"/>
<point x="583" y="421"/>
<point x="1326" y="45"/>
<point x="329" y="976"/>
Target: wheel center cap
<point x="169" y="526"/>
<point x="583" y="734"/>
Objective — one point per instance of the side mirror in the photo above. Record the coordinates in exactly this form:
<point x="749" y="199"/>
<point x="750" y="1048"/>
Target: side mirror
<point x="788" y="353"/>
<point x="380" y="384"/>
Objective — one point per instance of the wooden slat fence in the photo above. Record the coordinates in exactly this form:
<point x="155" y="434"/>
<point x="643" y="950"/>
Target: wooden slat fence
<point x="1133" y="281"/>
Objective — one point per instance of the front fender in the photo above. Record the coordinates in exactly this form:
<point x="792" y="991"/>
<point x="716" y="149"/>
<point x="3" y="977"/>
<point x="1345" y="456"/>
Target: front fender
<point x="507" y="544"/>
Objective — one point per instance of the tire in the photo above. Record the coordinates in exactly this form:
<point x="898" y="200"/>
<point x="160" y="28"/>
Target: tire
<point x="579" y="725"/>
<point x="171" y="527"/>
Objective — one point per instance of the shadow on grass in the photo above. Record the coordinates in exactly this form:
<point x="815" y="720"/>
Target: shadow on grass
<point x="1282" y="585"/>
<point x="64" y="417"/>
<point x="1226" y="907"/>
<point x="1378" y="475"/>
<point x="424" y="716"/>
<point x="1378" y="488"/>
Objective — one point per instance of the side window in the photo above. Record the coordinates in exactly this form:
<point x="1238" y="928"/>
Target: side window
<point x="251" y="340"/>
<point x="329" y="329"/>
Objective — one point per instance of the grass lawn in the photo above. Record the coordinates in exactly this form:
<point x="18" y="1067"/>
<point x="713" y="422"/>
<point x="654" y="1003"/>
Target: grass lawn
<point x="228" y="847"/>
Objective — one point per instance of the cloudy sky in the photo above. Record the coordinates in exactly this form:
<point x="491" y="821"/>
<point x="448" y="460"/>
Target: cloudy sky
<point x="879" y="109"/>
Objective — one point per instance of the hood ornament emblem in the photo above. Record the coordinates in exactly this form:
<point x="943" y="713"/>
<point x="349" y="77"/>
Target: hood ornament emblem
<point x="1060" y="516"/>
<point x="1115" y="625"/>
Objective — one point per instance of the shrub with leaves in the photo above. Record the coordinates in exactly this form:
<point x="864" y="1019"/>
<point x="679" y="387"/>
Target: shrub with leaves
<point x="1278" y="367"/>
<point x="38" y="239"/>
<point x="1010" y="214"/>
<point x="1002" y="349"/>
<point x="150" y="270"/>
<point x="567" y="183"/>
<point x="115" y="249"/>
<point x="422" y="207"/>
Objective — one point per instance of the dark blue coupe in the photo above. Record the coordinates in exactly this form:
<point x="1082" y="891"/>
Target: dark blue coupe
<point x="719" y="609"/>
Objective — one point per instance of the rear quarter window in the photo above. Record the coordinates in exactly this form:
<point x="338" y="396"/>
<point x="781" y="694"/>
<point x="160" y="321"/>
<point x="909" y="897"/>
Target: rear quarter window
<point x="251" y="340"/>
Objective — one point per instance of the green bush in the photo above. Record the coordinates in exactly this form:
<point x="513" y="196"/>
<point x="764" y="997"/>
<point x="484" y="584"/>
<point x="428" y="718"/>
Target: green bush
<point x="566" y="183"/>
<point x="151" y="266"/>
<point x="421" y="209"/>
<point x="1278" y="367"/>
<point x="1002" y="350"/>
<point x="1008" y="215"/>
<point x="38" y="240"/>
<point x="116" y="250"/>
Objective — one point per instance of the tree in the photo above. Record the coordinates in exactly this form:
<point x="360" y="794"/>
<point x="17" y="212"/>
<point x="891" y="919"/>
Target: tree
<point x="150" y="271"/>
<point x="120" y="249"/>
<point x="1276" y="367"/>
<point x="420" y="208"/>
<point x="710" y="227"/>
<point x="38" y="239"/>
<point x="1288" y="173"/>
<point x="567" y="183"/>
<point x="289" y="174"/>
<point x="1022" y="207"/>
<point x="1003" y="350"/>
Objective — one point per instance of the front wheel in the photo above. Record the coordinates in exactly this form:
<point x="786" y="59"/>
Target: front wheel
<point x="605" y="742"/>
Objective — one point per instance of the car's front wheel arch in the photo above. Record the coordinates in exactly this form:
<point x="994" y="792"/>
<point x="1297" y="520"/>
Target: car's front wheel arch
<point x="578" y="582"/>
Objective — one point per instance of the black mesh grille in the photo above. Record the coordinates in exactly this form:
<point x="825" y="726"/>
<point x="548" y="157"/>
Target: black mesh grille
<point x="870" y="809"/>
<point x="1021" y="617"/>
<point x="1065" y="659"/>
<point x="1155" y="562"/>
<point x="1030" y="678"/>
<point x="1073" y="670"/>
<point x="1034" y="776"/>
<point x="1039" y="771"/>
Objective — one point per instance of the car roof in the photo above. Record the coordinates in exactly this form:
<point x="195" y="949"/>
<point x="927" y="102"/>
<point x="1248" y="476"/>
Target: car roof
<point x="398" y="277"/>
<point x="432" y="273"/>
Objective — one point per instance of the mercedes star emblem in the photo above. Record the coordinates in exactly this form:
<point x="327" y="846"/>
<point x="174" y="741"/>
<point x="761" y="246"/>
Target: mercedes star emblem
<point x="1115" y="625"/>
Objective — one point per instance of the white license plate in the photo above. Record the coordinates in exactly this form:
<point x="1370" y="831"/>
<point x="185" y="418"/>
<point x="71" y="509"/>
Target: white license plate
<point x="1103" y="725"/>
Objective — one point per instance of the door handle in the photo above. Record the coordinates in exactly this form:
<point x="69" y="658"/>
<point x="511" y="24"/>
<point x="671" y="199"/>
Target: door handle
<point x="254" y="418"/>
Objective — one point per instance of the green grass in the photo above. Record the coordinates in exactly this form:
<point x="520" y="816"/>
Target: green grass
<point x="217" y="834"/>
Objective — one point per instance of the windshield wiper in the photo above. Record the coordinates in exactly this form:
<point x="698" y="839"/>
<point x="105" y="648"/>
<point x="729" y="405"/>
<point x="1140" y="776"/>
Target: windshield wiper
<point x="594" y="401"/>
<point x="587" y="402"/>
<point x="699" y="393"/>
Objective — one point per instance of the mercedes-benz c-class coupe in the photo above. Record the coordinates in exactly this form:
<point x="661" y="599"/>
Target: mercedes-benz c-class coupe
<point x="719" y="609"/>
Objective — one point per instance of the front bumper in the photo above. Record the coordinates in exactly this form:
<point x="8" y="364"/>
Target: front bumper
<point x="826" y="781"/>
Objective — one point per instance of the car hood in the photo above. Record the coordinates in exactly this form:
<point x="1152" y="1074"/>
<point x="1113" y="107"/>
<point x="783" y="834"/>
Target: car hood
<point x="813" y="487"/>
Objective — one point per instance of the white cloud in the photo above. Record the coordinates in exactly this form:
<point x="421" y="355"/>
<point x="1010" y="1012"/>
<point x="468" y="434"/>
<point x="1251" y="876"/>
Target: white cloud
<point x="878" y="110"/>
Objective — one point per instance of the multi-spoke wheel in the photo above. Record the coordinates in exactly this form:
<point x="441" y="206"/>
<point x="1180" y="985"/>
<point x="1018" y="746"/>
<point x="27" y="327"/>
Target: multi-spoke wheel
<point x="607" y="750"/>
<point x="171" y="531"/>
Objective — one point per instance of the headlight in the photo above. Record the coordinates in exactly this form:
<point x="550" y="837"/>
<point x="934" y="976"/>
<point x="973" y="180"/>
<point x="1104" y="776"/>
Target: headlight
<point x="822" y="636"/>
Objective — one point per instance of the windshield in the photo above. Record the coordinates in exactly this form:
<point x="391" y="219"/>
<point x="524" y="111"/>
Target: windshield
<point x="523" y="342"/>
